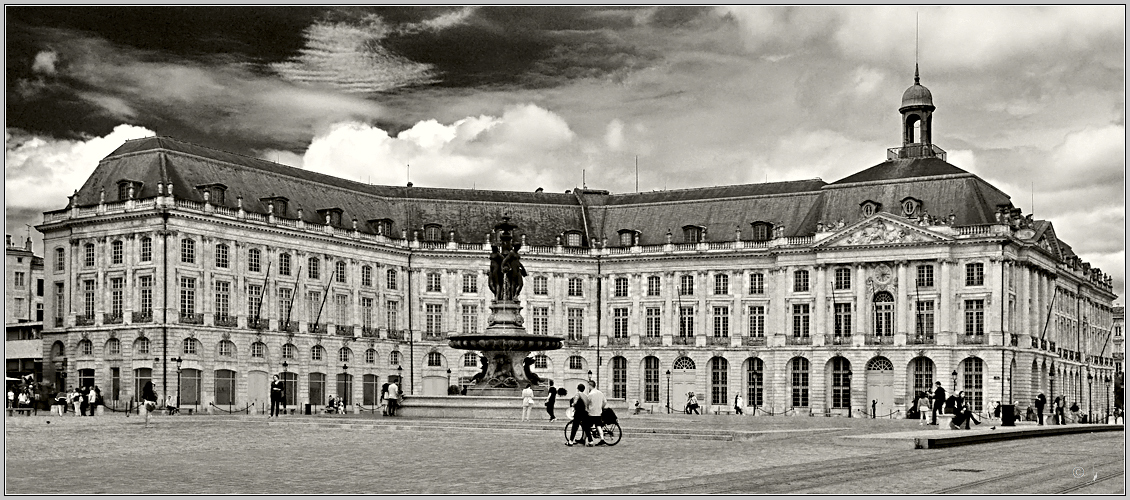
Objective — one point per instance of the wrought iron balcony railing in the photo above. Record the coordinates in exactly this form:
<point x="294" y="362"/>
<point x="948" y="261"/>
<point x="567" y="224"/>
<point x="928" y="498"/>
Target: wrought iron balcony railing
<point x="682" y="341"/>
<point x="111" y="318"/>
<point x="84" y="320"/>
<point x="191" y="318"/>
<point x="795" y="340"/>
<point x="259" y="323"/>
<point x="921" y="339"/>
<point x="225" y="320"/>
<point x="319" y="328"/>
<point x="142" y="316"/>
<point x="434" y="335"/>
<point x="368" y="331"/>
<point x="651" y="341"/>
<point x="395" y="335"/>
<point x="344" y="330"/>
<point x="753" y="340"/>
<point x="578" y="341"/>
<point x="618" y="341"/>
<point x="717" y="340"/>
<point x="879" y="339"/>
<point x="970" y="339"/>
<point x="288" y="326"/>
<point x="837" y="339"/>
<point x="916" y="151"/>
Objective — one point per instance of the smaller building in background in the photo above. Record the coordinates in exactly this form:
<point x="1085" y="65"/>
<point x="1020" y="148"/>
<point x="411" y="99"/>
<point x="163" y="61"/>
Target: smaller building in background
<point x="23" y="310"/>
<point x="1119" y="354"/>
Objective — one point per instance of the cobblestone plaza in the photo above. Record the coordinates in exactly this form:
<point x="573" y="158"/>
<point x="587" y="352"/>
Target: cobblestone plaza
<point x="303" y="455"/>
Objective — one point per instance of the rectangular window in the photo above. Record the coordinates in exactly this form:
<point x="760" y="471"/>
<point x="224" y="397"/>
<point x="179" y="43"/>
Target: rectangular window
<point x="652" y="322"/>
<point x="541" y="285"/>
<point x="756" y="284"/>
<point x="391" y="320"/>
<point x="254" y="300"/>
<point x="284" y="264"/>
<point x="653" y="286"/>
<point x="721" y="321"/>
<point x="686" y="284"/>
<point x="187" y="295"/>
<point x="576" y="321"/>
<point x="88" y="255"/>
<point x="367" y="313"/>
<point x="843" y="278"/>
<point x="188" y="251"/>
<point x="60" y="259"/>
<point x="286" y="302"/>
<point x="800" y="281"/>
<point x="433" y="282"/>
<point x="621" y="289"/>
<point x="60" y="305"/>
<point x="470" y="283"/>
<point x="366" y="276"/>
<point x="433" y="318"/>
<point x="117" y="286"/>
<point x="800" y="320"/>
<point x="88" y="298"/>
<point x="842" y="327"/>
<point x="341" y="305"/>
<point x="470" y="319"/>
<point x="686" y="321"/>
<point x="975" y="317"/>
<point x="620" y="323"/>
<point x="19" y="279"/>
<point x="721" y="284"/>
<point x="757" y="321"/>
<point x="222" y="256"/>
<point x="924" y="319"/>
<point x="975" y="274"/>
<point x="339" y="271"/>
<point x="390" y="279"/>
<point x="576" y="287"/>
<point x="146" y="253"/>
<point x="116" y="252"/>
<point x="313" y="306"/>
<point x="651" y="380"/>
<point x="541" y="321"/>
<point x="925" y="276"/>
<point x="223" y="299"/>
<point x="254" y="264"/>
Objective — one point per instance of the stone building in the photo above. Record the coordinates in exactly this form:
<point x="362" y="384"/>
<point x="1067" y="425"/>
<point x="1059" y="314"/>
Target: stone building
<point x="23" y="309"/>
<point x="179" y="262"/>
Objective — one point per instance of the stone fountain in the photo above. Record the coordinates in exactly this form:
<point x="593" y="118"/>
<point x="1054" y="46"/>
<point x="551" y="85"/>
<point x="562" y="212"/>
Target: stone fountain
<point x="505" y="346"/>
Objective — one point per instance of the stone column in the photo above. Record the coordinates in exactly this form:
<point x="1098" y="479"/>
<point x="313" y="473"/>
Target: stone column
<point x="820" y="308"/>
<point x="902" y="324"/>
<point x="946" y="309"/>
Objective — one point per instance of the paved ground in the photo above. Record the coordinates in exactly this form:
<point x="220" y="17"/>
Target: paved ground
<point x="114" y="454"/>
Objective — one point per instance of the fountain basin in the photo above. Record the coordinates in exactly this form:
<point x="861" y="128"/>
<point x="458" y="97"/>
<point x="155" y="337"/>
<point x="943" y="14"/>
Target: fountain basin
<point x="518" y="341"/>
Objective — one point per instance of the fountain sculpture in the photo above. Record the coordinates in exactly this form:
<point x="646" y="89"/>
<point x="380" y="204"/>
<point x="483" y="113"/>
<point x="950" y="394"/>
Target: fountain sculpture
<point x="504" y="346"/>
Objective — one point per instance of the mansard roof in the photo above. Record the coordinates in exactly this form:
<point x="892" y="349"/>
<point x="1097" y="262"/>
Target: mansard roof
<point x="904" y="169"/>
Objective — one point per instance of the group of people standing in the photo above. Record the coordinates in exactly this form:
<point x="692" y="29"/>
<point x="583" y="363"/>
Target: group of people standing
<point x="590" y="408"/>
<point x="84" y="400"/>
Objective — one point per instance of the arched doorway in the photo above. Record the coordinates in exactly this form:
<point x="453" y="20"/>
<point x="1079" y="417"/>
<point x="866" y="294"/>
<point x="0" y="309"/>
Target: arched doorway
<point x="683" y="381"/>
<point x="837" y="378"/>
<point x="973" y="383"/>
<point x="258" y="390"/>
<point x="719" y="375"/>
<point x="920" y="373"/>
<point x="880" y="385"/>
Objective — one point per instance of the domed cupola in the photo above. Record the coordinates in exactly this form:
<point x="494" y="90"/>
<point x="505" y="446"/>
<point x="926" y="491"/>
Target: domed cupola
<point x="917" y="109"/>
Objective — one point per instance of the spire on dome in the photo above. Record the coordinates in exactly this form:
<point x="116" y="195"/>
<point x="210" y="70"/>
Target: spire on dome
<point x="916" y="74"/>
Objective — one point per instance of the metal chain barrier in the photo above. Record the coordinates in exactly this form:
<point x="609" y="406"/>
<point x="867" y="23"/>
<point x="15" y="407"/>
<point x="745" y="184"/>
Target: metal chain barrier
<point x="244" y="409"/>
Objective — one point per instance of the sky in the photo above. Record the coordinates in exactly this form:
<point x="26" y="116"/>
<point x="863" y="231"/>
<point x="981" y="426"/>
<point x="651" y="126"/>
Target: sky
<point x="1029" y="98"/>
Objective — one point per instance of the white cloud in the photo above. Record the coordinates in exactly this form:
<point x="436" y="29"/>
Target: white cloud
<point x="614" y="136"/>
<point x="41" y="172"/>
<point x="45" y="62"/>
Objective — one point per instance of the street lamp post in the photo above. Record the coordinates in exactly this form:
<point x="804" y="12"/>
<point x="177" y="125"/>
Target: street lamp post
<point x="1107" y="393"/>
<point x="1090" y="379"/>
<point x="668" y="391"/>
<point x="590" y="375"/>
<point x="849" y="392"/>
<point x="284" y="381"/>
<point x="178" y="359"/>
<point x="347" y="389"/>
<point x="954" y="376"/>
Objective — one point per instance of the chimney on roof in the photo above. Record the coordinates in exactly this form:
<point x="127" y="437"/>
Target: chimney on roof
<point x="409" y="183"/>
<point x="27" y="244"/>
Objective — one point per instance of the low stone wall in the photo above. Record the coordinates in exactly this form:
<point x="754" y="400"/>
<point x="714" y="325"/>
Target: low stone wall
<point x="485" y="407"/>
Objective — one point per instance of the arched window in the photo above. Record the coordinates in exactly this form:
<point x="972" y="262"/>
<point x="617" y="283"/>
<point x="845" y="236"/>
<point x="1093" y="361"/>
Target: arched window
<point x="470" y="359"/>
<point x="141" y="346"/>
<point x="683" y="363"/>
<point x="188" y="346"/>
<point x="974" y="380"/>
<point x="923" y="370"/>
<point x="394" y="358"/>
<point x="435" y="359"/>
<point x="113" y="347"/>
<point x="755" y="382"/>
<point x="317" y="353"/>
<point x="60" y="259"/>
<point x="433" y="232"/>
<point x="284" y="264"/>
<point x="289" y="351"/>
<point x="313" y="268"/>
<point x="576" y="363"/>
<point x="880" y="364"/>
<point x="692" y="234"/>
<point x="227" y="348"/>
<point x="869" y="208"/>
<point x="619" y="377"/>
<point x="258" y="350"/>
<point x="370" y="356"/>
<point x="884" y="314"/>
<point x="762" y="231"/>
<point x="651" y="379"/>
<point x="627" y="237"/>
<point x="798" y="382"/>
<point x="573" y="239"/>
<point x="719" y="381"/>
<point x="841" y="382"/>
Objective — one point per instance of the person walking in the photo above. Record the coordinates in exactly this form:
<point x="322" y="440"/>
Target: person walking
<point x="939" y="402"/>
<point x="739" y="403"/>
<point x="149" y="399"/>
<point x="278" y="393"/>
<point x="527" y="402"/>
<point x="579" y="403"/>
<point x="550" y="400"/>
<point x="392" y="398"/>
<point x="692" y="403"/>
<point x="384" y="399"/>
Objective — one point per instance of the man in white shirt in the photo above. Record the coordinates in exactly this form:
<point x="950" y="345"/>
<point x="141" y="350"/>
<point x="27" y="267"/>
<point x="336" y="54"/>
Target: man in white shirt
<point x="392" y="398"/>
<point x="596" y="409"/>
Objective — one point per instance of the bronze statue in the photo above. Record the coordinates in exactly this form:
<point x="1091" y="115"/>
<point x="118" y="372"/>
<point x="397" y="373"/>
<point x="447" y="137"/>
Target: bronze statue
<point x="479" y="376"/>
<point x="506" y="269"/>
<point x="530" y="375"/>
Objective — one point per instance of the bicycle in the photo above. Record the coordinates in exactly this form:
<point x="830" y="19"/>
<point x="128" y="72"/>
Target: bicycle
<point x="611" y="432"/>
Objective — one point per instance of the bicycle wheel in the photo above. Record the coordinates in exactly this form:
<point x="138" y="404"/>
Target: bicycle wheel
<point x="567" y="424"/>
<point x="612" y="434"/>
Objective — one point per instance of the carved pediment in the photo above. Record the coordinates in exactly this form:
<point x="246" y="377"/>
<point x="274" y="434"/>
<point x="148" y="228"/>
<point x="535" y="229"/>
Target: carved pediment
<point x="881" y="230"/>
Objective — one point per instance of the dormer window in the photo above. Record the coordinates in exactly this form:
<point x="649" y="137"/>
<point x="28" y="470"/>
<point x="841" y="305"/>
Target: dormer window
<point x="331" y="216"/>
<point x="910" y="206"/>
<point x="214" y="192"/>
<point x="433" y="232"/>
<point x="124" y="191"/>
<point x="381" y="226"/>
<point x="276" y="204"/>
<point x="627" y="237"/>
<point x="869" y="208"/>
<point x="693" y="234"/>
<point x="762" y="231"/>
<point x="573" y="238"/>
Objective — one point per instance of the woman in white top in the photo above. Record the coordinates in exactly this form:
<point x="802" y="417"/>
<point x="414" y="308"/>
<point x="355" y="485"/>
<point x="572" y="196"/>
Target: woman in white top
<point x="923" y="407"/>
<point x="527" y="401"/>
